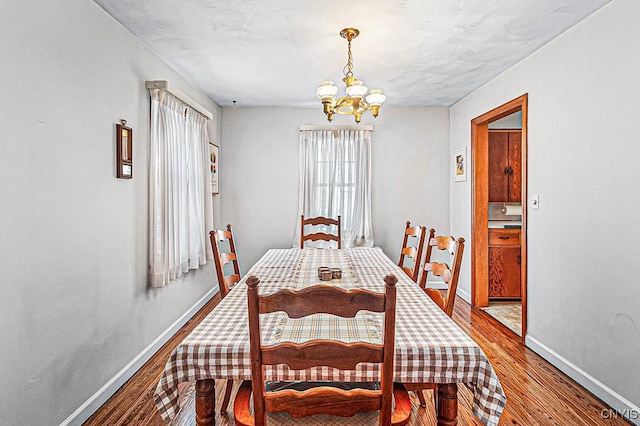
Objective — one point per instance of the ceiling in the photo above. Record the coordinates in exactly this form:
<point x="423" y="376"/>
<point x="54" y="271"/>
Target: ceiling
<point x="276" y="52"/>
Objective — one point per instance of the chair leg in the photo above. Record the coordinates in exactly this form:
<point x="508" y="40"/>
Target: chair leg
<point x="227" y="396"/>
<point x="423" y="403"/>
<point x="241" y="405"/>
<point x="402" y="412"/>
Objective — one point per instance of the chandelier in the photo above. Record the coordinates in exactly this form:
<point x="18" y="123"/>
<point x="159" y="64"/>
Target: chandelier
<point x="353" y="103"/>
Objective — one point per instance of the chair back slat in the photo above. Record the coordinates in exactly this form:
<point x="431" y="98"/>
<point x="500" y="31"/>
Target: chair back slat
<point x="326" y="299"/>
<point x="443" y="243"/>
<point x="230" y="281"/>
<point x="320" y="221"/>
<point x="226" y="258"/>
<point x="410" y="251"/>
<point x="328" y="353"/>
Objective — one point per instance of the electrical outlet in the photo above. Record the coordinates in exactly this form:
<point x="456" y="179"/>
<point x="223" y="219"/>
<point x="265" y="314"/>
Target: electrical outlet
<point x="535" y="201"/>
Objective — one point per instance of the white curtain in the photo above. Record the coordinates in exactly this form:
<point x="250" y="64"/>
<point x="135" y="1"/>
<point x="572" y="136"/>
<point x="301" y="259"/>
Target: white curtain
<point x="180" y="206"/>
<point x="335" y="179"/>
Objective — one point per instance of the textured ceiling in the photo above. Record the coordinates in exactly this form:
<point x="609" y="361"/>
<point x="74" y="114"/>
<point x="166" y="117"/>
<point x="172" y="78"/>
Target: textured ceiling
<point x="276" y="52"/>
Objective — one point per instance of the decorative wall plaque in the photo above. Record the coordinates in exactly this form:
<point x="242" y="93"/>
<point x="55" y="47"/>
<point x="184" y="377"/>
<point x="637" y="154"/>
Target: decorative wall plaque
<point x="124" y="151"/>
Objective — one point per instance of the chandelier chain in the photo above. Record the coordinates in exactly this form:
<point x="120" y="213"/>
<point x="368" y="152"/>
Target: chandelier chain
<point x="349" y="66"/>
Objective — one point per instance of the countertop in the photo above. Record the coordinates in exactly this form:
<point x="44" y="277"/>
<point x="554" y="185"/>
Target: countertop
<point x="505" y="224"/>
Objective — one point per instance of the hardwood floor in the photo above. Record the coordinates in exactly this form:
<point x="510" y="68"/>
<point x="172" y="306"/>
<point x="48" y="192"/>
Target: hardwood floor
<point x="537" y="392"/>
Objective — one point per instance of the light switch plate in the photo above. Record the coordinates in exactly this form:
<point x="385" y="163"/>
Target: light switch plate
<point x="535" y="201"/>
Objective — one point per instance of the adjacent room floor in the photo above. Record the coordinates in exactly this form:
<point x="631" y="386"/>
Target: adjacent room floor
<point x="508" y="313"/>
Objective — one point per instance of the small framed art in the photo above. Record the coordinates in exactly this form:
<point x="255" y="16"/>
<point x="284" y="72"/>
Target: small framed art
<point x="460" y="164"/>
<point x="124" y="151"/>
<point x="215" y="172"/>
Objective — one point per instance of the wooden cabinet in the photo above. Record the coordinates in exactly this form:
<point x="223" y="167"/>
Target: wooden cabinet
<point x="505" y="166"/>
<point x="504" y="264"/>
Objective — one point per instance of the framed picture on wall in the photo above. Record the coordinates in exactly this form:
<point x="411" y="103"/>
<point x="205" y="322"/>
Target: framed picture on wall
<point x="124" y="151"/>
<point x="215" y="172"/>
<point x="460" y="164"/>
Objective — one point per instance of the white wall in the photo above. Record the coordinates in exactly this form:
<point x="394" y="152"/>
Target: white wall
<point x="512" y="121"/>
<point x="259" y="174"/>
<point x="74" y="303"/>
<point x="583" y="292"/>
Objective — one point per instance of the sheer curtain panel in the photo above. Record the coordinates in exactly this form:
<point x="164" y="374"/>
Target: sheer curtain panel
<point x="180" y="207"/>
<point x="335" y="179"/>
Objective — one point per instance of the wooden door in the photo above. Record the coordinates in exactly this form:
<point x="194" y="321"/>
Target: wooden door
<point x="514" y="181"/>
<point x="480" y="203"/>
<point x="504" y="272"/>
<point x="505" y="166"/>
<point x="498" y="166"/>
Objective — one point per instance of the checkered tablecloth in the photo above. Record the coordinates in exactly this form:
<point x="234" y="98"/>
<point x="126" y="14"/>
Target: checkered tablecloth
<point x="365" y="327"/>
<point x="429" y="346"/>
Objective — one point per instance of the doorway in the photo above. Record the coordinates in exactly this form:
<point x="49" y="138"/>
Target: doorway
<point x="481" y="269"/>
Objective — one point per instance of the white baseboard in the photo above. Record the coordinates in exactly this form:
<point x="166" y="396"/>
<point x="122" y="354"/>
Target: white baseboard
<point x="466" y="296"/>
<point x="622" y="406"/>
<point x="439" y="285"/>
<point x="103" y="394"/>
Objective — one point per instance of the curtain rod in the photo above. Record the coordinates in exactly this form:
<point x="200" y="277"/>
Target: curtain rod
<point x="164" y="85"/>
<point x="335" y="127"/>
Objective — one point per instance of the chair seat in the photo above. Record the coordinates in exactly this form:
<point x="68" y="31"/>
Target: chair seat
<point x="244" y="400"/>
<point x="361" y="418"/>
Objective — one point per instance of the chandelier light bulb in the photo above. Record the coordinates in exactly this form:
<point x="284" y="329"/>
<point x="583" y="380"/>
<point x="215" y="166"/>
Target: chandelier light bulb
<point x="375" y="97"/>
<point x="356" y="90"/>
<point x="327" y="90"/>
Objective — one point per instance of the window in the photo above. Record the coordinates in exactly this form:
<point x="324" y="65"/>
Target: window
<point x="180" y="210"/>
<point x="335" y="175"/>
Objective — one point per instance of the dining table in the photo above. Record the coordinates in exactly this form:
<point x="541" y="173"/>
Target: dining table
<point x="429" y="346"/>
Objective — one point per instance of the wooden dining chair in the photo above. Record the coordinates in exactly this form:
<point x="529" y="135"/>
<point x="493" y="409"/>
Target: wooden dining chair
<point x="412" y="252"/>
<point x="225" y="282"/>
<point x="449" y="276"/>
<point x="223" y="258"/>
<point x="319" y="236"/>
<point x="322" y="399"/>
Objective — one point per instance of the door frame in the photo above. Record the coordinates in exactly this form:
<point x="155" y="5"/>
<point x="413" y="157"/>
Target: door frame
<point x="480" y="204"/>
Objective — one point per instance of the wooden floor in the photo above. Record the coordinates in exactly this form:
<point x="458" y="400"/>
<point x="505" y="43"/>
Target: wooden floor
<point x="537" y="392"/>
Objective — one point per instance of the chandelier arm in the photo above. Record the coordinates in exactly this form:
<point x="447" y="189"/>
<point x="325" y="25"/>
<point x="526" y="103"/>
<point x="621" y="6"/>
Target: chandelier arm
<point x="344" y="106"/>
<point x="343" y="102"/>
